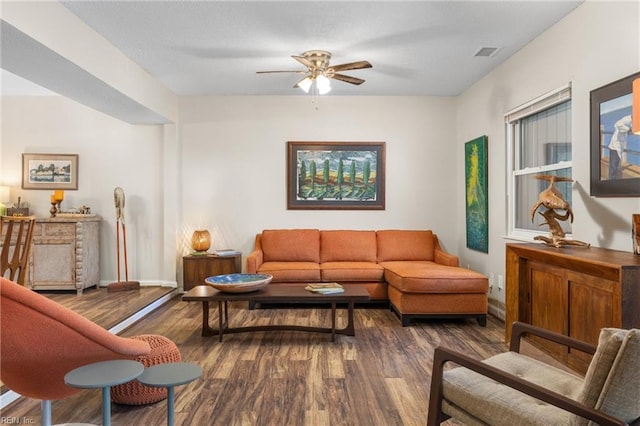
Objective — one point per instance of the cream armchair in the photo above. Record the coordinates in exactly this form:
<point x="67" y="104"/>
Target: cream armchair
<point x="514" y="389"/>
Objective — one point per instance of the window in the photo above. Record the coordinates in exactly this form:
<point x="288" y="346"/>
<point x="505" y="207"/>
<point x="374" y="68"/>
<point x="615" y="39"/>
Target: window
<point x="538" y="143"/>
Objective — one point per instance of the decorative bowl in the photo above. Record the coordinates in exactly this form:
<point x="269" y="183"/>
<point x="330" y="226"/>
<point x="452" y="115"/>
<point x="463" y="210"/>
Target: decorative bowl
<point x="239" y="283"/>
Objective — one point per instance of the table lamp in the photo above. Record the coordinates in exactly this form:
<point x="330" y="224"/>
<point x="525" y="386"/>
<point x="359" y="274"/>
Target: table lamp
<point x="201" y="241"/>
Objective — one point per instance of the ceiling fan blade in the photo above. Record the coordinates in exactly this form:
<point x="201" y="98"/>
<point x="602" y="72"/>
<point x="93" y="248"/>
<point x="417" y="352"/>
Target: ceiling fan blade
<point x="304" y="61"/>
<point x="351" y="66"/>
<point x="269" y="72"/>
<point x="347" y="79"/>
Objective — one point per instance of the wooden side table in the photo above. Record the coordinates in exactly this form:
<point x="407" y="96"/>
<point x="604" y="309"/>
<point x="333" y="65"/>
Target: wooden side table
<point x="195" y="268"/>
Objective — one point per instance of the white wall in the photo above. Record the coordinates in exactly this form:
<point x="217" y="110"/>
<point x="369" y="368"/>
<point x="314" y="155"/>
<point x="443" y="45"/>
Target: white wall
<point x="229" y="175"/>
<point x="234" y="162"/>
<point x="111" y="153"/>
<point x="596" y="44"/>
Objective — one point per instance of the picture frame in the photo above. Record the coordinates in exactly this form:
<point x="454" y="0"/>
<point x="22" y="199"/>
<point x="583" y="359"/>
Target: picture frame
<point x="50" y="171"/>
<point x="347" y="175"/>
<point x="476" y="193"/>
<point x="615" y="150"/>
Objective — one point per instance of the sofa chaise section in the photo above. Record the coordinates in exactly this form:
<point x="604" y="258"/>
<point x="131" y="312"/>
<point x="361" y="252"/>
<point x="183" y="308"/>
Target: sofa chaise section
<point x="426" y="282"/>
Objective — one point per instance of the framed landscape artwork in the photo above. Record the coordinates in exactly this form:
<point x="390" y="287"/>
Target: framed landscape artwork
<point x="336" y="175"/>
<point x="477" y="207"/>
<point x="49" y="171"/>
<point x="615" y="150"/>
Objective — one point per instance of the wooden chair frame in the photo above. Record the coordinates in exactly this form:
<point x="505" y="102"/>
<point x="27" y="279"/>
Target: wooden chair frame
<point x="519" y="330"/>
<point x="18" y="263"/>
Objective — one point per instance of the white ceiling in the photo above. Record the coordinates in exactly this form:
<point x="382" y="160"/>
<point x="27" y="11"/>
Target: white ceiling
<point x="415" y="47"/>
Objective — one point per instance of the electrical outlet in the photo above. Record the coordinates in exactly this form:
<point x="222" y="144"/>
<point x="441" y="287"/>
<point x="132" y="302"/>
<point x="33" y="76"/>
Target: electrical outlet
<point x="492" y="281"/>
<point x="500" y="282"/>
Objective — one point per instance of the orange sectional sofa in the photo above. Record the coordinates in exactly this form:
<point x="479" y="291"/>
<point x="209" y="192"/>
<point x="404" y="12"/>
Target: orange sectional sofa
<point x="405" y="267"/>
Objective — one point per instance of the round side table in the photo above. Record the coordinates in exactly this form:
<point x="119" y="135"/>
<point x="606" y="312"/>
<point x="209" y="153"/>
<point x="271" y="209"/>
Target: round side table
<point x="169" y="375"/>
<point x="104" y="375"/>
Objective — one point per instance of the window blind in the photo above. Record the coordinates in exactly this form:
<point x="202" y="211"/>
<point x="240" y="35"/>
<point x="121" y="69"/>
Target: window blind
<point x="538" y="104"/>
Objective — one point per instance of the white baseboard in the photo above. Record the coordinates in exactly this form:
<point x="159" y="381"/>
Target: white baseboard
<point x="147" y="283"/>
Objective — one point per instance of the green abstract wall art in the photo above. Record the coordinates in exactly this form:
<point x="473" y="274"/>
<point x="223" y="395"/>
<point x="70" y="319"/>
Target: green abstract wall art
<point x="477" y="203"/>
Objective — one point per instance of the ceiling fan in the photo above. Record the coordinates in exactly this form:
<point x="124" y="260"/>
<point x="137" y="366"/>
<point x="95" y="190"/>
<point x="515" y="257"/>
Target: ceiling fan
<point x="319" y="71"/>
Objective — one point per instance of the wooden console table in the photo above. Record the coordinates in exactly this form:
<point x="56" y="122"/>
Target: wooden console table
<point x="65" y="254"/>
<point x="575" y="291"/>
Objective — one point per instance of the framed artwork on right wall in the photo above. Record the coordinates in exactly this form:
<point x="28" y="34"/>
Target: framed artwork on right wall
<point x="615" y="150"/>
<point x="476" y="194"/>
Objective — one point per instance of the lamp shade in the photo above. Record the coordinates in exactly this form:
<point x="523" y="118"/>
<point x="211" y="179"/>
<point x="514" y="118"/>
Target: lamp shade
<point x="635" y="107"/>
<point x="201" y="240"/>
<point x="305" y="84"/>
<point x="324" y="85"/>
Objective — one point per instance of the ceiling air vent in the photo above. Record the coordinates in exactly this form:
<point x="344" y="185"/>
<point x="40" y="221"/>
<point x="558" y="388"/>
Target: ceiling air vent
<point x="486" y="52"/>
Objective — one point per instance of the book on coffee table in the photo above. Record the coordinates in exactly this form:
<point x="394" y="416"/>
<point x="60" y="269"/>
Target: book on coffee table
<point x="325" y="288"/>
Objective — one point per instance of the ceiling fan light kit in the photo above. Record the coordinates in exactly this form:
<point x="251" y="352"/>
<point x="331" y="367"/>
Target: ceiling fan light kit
<point x="317" y="77"/>
<point x="305" y="84"/>
<point x="323" y="84"/>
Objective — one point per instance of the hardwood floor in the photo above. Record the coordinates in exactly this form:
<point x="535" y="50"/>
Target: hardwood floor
<point x="381" y="376"/>
<point x="108" y="309"/>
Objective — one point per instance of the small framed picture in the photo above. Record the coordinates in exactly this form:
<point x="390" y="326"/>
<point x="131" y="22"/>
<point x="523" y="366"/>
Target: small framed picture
<point x="49" y="171"/>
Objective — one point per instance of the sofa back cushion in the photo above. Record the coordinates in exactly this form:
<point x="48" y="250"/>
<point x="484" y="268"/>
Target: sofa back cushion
<point x="396" y="244"/>
<point x="620" y="395"/>
<point x="609" y="344"/>
<point x="347" y="246"/>
<point x="291" y="245"/>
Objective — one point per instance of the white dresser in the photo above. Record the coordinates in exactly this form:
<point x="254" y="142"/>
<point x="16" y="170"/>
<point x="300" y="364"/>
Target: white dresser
<point x="65" y="254"/>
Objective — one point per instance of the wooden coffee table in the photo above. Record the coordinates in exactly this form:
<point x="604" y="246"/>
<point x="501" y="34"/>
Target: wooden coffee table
<point x="276" y="293"/>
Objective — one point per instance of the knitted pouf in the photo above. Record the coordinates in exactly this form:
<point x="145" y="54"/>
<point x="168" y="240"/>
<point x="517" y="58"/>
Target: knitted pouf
<point x="163" y="350"/>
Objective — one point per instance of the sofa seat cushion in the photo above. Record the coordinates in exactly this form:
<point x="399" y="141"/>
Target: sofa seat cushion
<point x="291" y="271"/>
<point x="493" y="403"/>
<point x="291" y="245"/>
<point x="404" y="245"/>
<point x="351" y="271"/>
<point x="430" y="277"/>
<point x="356" y="246"/>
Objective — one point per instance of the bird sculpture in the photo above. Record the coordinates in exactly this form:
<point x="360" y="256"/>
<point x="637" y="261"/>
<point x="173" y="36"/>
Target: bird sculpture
<point x="118" y="198"/>
<point x="551" y="198"/>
